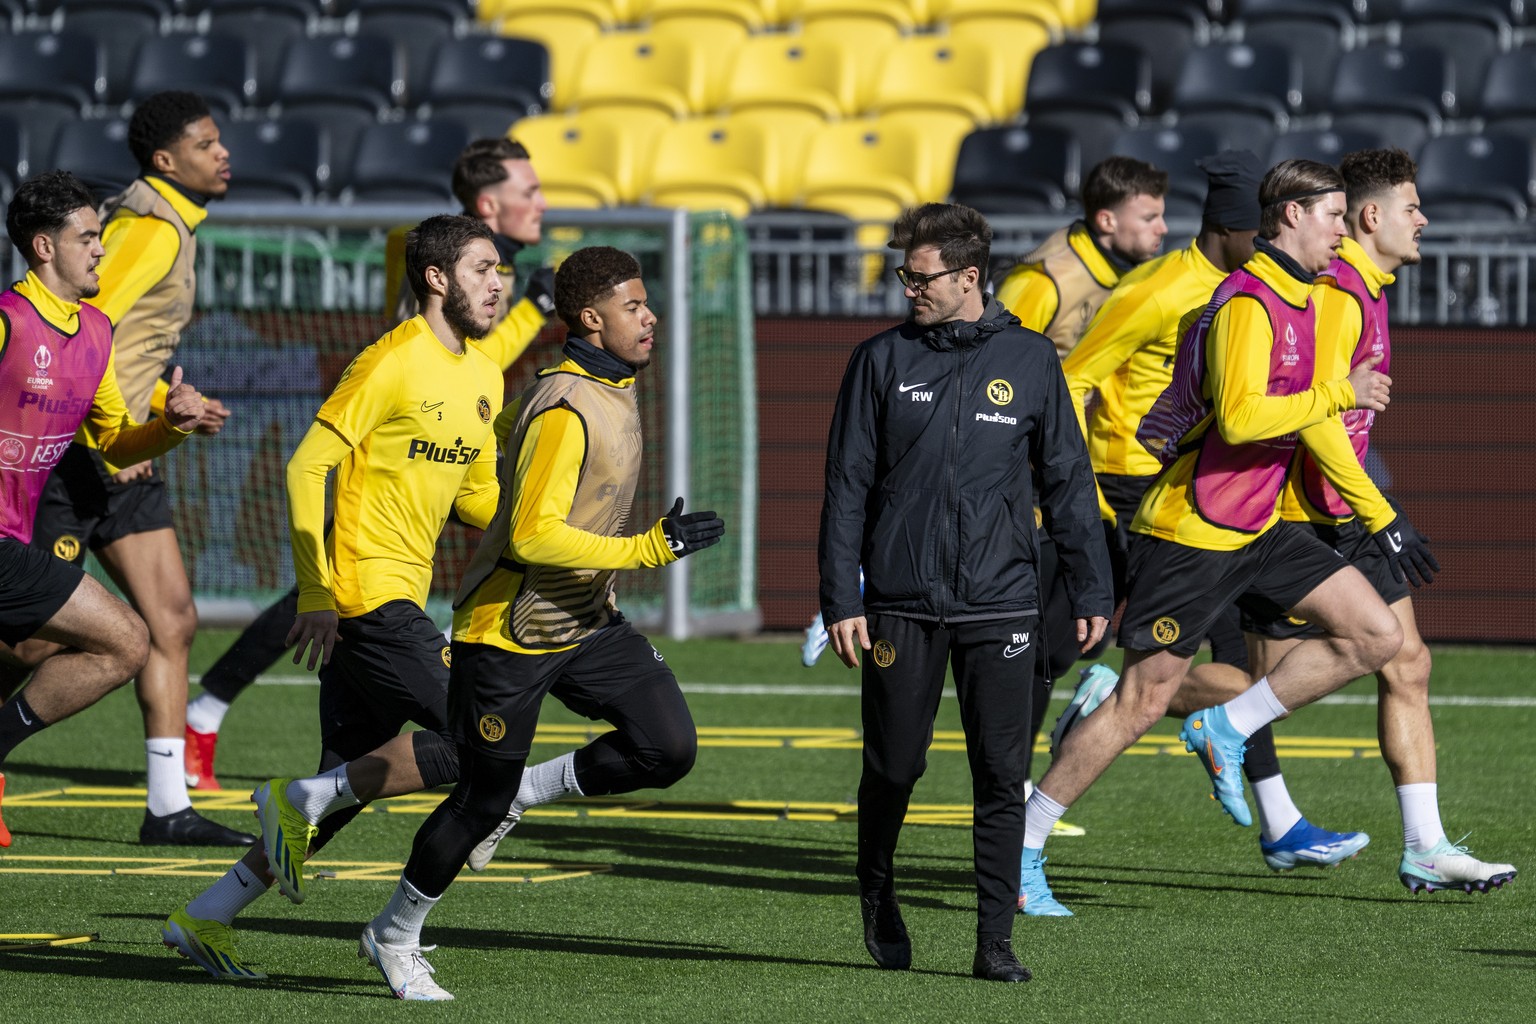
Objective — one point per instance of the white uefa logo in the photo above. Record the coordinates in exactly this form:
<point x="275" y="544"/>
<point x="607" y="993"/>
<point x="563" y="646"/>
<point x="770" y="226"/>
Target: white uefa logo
<point x="42" y="358"/>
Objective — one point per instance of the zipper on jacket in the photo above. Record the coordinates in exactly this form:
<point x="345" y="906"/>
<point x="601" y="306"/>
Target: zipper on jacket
<point x="952" y="497"/>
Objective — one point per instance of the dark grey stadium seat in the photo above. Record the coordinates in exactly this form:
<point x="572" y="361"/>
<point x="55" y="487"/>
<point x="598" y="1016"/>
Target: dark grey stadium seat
<point x="418" y="28"/>
<point x="1476" y="177"/>
<point x="39" y="121"/>
<point x="1401" y="91"/>
<point x="97" y="153"/>
<point x="274" y="159"/>
<point x="269" y="27"/>
<point x="1252" y="77"/>
<point x="342" y="85"/>
<point x="1324" y="145"/>
<point x="1095" y="92"/>
<point x="216" y="67"/>
<point x="1314" y="35"/>
<point x="1165" y="34"/>
<point x="1508" y="102"/>
<point x="59" y="66"/>
<point x="1017" y="170"/>
<point x="1470" y="32"/>
<point x="407" y="161"/>
<point x="1233" y="129"/>
<point x="118" y="28"/>
<point x="13" y="149"/>
<point x="507" y="73"/>
<point x="1175" y="150"/>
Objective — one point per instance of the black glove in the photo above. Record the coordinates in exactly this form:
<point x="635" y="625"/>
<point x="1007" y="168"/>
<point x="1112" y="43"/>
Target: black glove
<point x="1407" y="551"/>
<point x="692" y="532"/>
<point x="541" y="291"/>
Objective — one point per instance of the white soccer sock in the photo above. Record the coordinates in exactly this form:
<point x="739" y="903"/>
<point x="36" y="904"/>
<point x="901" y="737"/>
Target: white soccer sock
<point x="320" y="796"/>
<point x="399" y="923"/>
<point x="1278" y="813"/>
<point x="547" y="782"/>
<point x="205" y="713"/>
<point x="1420" y="804"/>
<point x="1041" y="813"/>
<point x="1254" y="708"/>
<point x="165" y="759"/>
<point x="232" y="893"/>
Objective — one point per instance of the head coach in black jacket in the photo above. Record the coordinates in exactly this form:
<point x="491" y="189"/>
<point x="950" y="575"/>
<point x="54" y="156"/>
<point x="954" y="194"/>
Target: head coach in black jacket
<point x="940" y="425"/>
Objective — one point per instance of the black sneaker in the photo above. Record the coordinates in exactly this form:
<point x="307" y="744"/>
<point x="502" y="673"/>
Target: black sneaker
<point x="885" y="935"/>
<point x="188" y="828"/>
<point x="995" y="962"/>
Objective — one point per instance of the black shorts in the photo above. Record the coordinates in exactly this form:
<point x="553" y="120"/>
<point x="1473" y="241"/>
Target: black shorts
<point x="1353" y="541"/>
<point x="83" y="508"/>
<point x="33" y="587"/>
<point x="389" y="667"/>
<point x="1123" y="494"/>
<point x="495" y="696"/>
<point x="1177" y="591"/>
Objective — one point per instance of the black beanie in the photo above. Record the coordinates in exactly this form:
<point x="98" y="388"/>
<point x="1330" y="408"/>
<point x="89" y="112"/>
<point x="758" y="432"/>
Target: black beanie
<point x="1232" y="197"/>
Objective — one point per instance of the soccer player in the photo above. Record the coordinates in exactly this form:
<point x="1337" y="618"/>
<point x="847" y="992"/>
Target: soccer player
<point x="1127" y="355"/>
<point x="56" y="350"/>
<point x="408" y="432"/>
<point x="928" y="480"/>
<point x="495" y="181"/>
<point x="535" y="613"/>
<point x="1207" y="533"/>
<point x="1059" y="286"/>
<point x="123" y="513"/>
<point x="1384" y="221"/>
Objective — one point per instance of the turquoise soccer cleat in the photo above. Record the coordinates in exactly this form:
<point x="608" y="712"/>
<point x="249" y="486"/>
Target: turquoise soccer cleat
<point x="1220" y="748"/>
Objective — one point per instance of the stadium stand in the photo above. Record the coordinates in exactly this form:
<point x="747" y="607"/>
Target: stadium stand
<point x="417" y="28"/>
<point x="1094" y="91"/>
<point x="278" y="159"/>
<point x="486" y="83"/>
<point x="97" y="153"/>
<point x="634" y="69"/>
<point x="269" y="27"/>
<point x="566" y="32"/>
<point x="785" y="72"/>
<point x="1047" y="15"/>
<point x="1166" y="34"/>
<point x="1314" y="35"/>
<point x="867" y="40"/>
<point x="13" y="155"/>
<point x="712" y="44"/>
<point x="1401" y="92"/>
<point x="939" y="73"/>
<point x="593" y="158"/>
<point x="1175" y="150"/>
<point x="707" y="163"/>
<point x="117" y="28"/>
<point x="1508" y="102"/>
<point x="404" y="161"/>
<point x="1323" y="144"/>
<point x="748" y="15"/>
<point x="57" y="67"/>
<point x="1015" y="39"/>
<point x="1476" y="177"/>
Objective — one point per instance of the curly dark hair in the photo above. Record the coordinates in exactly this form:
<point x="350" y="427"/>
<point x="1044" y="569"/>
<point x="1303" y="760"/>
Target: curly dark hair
<point x="480" y="165"/>
<point x="963" y="236"/>
<point x="439" y="242"/>
<point x="1370" y="172"/>
<point x="587" y="277"/>
<point x="42" y="206"/>
<point x="160" y="120"/>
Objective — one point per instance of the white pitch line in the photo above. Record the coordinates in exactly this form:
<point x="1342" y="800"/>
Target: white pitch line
<point x="1060" y="693"/>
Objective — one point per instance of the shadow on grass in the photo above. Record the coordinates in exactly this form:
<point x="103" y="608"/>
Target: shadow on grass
<point x="78" y="775"/>
<point x="1506" y="959"/>
<point x="1114" y="874"/>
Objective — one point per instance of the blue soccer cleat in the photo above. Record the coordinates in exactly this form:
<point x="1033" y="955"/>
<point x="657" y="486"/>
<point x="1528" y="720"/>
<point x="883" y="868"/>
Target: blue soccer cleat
<point x="1220" y="748"/>
<point x="1305" y="843"/>
<point x="1094" y="684"/>
<point x="1035" y="896"/>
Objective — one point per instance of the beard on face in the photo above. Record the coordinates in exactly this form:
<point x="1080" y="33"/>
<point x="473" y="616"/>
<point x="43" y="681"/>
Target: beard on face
<point x="459" y="311"/>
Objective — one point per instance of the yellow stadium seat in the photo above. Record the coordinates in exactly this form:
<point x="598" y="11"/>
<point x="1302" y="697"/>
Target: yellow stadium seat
<point x="786" y="135"/>
<point x="713" y="42"/>
<point x="948" y="73"/>
<point x="873" y="168"/>
<point x="708" y="164"/>
<point x="1014" y="41"/>
<point x="565" y="33"/>
<point x="604" y="12"/>
<point x="1047" y="13"/>
<point x="864" y="42"/>
<point x="898" y="14"/>
<point x="782" y="71"/>
<point x="659" y="70"/>
<point x="934" y="137"/>
<point x="749" y="14"/>
<point x="594" y="158"/>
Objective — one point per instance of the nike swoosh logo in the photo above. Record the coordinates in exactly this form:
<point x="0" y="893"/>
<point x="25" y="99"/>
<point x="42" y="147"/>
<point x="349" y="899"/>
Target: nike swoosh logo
<point x="428" y="408"/>
<point x="904" y="388"/>
<point x="1210" y="754"/>
<point x="414" y="901"/>
<point x="675" y="545"/>
<point x="24" y="719"/>
<point x="1013" y="652"/>
<point x="162" y="753"/>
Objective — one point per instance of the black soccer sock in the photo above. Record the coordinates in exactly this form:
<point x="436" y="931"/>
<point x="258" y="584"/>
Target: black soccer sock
<point x="17" y="722"/>
<point x="1261" y="761"/>
<point x="12" y="675"/>
<point x="254" y="651"/>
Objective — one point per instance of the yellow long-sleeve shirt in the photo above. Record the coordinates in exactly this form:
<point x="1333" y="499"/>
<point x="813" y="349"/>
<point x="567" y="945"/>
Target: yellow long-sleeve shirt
<point x="1060" y="286"/>
<point x="1127" y="355"/>
<point x="409" y="427"/>
<point x="1237" y="354"/>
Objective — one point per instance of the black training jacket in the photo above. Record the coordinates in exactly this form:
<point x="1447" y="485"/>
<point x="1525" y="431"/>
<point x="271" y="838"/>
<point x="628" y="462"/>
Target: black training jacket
<point x="928" y="479"/>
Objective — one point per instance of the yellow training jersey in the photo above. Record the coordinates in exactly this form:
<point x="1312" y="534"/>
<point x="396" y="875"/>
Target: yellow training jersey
<point x="1237" y="355"/>
<point x="1060" y="286"/>
<point x="542" y="579"/>
<point x="1340" y="324"/>
<point x="1127" y="354"/>
<point x="409" y="430"/>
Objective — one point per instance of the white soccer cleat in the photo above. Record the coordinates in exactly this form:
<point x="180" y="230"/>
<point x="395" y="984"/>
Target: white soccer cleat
<point x="405" y="970"/>
<point x="1448" y="865"/>
<point x="481" y="855"/>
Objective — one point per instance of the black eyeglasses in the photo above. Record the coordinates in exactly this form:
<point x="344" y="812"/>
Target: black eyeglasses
<point x="919" y="282"/>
